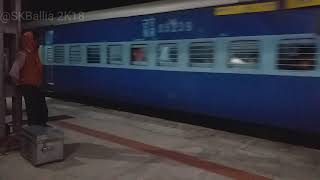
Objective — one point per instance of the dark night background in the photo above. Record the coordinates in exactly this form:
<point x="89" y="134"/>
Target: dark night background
<point x="75" y="5"/>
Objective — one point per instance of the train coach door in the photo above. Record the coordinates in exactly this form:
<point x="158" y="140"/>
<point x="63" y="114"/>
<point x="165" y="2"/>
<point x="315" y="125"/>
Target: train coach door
<point x="48" y="67"/>
<point x="46" y="56"/>
<point x="48" y="59"/>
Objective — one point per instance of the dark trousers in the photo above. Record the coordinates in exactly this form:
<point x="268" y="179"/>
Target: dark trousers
<point x="36" y="106"/>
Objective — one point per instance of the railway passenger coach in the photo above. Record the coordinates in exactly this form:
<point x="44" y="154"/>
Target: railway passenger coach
<point x="256" y="62"/>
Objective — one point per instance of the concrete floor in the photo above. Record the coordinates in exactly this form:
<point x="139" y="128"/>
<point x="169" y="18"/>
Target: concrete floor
<point x="223" y="155"/>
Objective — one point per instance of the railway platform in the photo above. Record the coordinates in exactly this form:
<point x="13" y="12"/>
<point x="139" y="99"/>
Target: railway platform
<point x="106" y="144"/>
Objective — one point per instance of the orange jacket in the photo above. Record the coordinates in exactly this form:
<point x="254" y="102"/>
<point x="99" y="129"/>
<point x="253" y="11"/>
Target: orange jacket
<point x="27" y="69"/>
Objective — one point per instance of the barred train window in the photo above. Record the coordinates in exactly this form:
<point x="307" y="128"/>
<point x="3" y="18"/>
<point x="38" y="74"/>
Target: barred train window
<point x="201" y="54"/>
<point x="139" y="54"/>
<point x="49" y="52"/>
<point x="75" y="54"/>
<point x="58" y="54"/>
<point x="297" y="54"/>
<point x="93" y="54"/>
<point x="114" y="54"/>
<point x="244" y="54"/>
<point x="167" y="54"/>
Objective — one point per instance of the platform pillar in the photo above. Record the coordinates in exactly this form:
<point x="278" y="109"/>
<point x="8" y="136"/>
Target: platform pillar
<point x="9" y="45"/>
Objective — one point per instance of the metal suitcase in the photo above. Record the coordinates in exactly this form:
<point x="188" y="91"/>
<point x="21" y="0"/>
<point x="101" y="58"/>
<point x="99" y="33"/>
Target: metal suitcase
<point x="41" y="145"/>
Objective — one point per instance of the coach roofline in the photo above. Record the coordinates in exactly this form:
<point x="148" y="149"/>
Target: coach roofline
<point x="133" y="10"/>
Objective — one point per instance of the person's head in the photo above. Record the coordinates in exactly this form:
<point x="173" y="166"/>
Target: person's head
<point x="28" y="42"/>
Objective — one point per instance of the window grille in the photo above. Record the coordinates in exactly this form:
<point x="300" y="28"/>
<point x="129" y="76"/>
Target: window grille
<point x="114" y="54"/>
<point x="297" y="54"/>
<point x="59" y="55"/>
<point x="75" y="54"/>
<point x="167" y="54"/>
<point x="201" y="54"/>
<point x="49" y="52"/>
<point x="93" y="54"/>
<point x="139" y="54"/>
<point x="244" y="54"/>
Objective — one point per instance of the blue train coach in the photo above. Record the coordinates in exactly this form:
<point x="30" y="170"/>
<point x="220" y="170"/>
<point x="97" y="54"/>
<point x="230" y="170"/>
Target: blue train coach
<point x="254" y="62"/>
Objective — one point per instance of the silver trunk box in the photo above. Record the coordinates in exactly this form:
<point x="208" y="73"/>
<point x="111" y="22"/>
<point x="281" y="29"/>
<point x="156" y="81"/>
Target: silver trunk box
<point x="41" y="145"/>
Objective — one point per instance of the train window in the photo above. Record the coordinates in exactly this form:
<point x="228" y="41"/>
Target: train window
<point x="167" y="54"/>
<point x="244" y="54"/>
<point x="75" y="54"/>
<point x="114" y="54"/>
<point x="93" y="54"/>
<point x="59" y="54"/>
<point x="297" y="54"/>
<point x="49" y="54"/>
<point x="201" y="54"/>
<point x="139" y="54"/>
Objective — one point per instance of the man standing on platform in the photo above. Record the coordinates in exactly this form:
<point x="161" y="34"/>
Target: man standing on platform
<point x="27" y="73"/>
